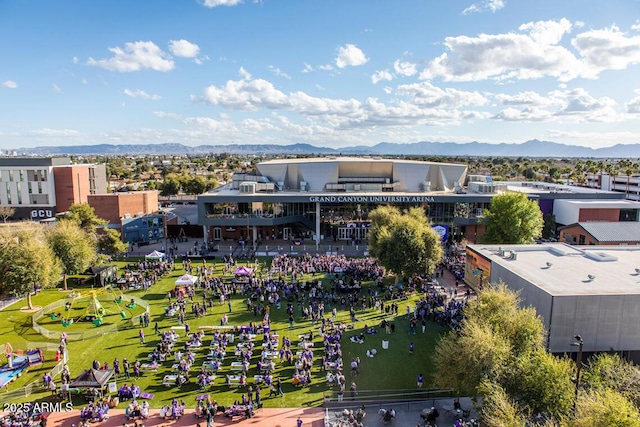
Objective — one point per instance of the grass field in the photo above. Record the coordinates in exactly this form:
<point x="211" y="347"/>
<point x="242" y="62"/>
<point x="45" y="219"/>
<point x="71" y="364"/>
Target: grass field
<point x="392" y="369"/>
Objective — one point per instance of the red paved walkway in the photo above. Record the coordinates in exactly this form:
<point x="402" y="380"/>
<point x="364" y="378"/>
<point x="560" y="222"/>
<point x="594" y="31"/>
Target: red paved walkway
<point x="266" y="417"/>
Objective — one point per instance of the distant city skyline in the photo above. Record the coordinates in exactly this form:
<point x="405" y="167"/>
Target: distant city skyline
<point x="329" y="73"/>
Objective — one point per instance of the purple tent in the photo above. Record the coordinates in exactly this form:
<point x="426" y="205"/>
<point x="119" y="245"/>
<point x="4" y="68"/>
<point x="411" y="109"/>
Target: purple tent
<point x="243" y="271"/>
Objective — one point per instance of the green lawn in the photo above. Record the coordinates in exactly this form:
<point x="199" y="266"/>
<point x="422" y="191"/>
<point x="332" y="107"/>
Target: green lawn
<point x="392" y="369"/>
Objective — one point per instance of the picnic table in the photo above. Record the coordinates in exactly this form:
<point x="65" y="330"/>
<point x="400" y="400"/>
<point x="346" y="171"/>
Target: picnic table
<point x="239" y="366"/>
<point x="269" y="354"/>
<point x="233" y="380"/>
<point x="149" y="367"/>
<point x="169" y="380"/>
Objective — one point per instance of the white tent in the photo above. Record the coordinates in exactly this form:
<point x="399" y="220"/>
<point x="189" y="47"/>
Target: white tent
<point x="187" y="279"/>
<point x="155" y="255"/>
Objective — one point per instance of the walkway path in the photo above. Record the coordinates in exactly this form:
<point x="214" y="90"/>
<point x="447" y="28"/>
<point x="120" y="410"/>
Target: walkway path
<point x="266" y="417"/>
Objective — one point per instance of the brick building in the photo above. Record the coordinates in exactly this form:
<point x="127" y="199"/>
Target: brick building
<point x="115" y="207"/>
<point x="39" y="188"/>
<point x="74" y="184"/>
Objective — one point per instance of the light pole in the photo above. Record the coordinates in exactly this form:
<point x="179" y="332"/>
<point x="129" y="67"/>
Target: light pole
<point x="578" y="344"/>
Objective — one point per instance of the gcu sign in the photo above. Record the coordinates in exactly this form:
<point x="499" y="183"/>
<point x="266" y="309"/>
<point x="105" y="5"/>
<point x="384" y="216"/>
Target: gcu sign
<point x="41" y="213"/>
<point x="372" y="199"/>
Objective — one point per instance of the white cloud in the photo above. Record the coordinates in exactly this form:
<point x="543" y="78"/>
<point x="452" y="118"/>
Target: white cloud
<point x="547" y="32"/>
<point x="527" y="114"/>
<point x="326" y="67"/>
<point x="606" y="49"/>
<point x="84" y="81"/>
<point x="56" y="88"/>
<point x="244" y="74"/>
<point x="141" y="94"/>
<point x="636" y="26"/>
<point x="633" y="106"/>
<point x="216" y="3"/>
<point x="350" y="55"/>
<point x="523" y="98"/>
<point x="136" y="56"/>
<point x="307" y="68"/>
<point x="486" y="5"/>
<point x="507" y="56"/>
<point x="74" y="59"/>
<point x="405" y="68"/>
<point x="383" y="75"/>
<point x="246" y="94"/>
<point x="436" y="108"/>
<point x="426" y="94"/>
<point x="10" y="84"/>
<point x="278" y="72"/>
<point x="184" y="49"/>
<point x="569" y="106"/>
<point x="595" y="139"/>
<point x="54" y="132"/>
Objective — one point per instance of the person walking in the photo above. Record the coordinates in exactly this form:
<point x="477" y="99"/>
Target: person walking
<point x="341" y="393"/>
<point x="141" y="333"/>
<point x="411" y="348"/>
<point x="420" y="381"/>
<point x="353" y="390"/>
<point x="156" y="329"/>
<point x="299" y="422"/>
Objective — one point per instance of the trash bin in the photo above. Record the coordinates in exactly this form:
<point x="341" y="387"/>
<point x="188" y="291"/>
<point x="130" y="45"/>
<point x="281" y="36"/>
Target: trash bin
<point x="385" y="344"/>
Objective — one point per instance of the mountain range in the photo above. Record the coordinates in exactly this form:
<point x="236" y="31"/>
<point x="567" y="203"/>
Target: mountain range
<point x="532" y="148"/>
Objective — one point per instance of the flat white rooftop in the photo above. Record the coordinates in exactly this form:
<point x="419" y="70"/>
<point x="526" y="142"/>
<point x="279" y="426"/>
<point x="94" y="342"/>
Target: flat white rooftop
<point x="563" y="270"/>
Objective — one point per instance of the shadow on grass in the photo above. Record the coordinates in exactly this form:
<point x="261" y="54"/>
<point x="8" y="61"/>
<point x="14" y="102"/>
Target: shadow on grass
<point x="153" y="297"/>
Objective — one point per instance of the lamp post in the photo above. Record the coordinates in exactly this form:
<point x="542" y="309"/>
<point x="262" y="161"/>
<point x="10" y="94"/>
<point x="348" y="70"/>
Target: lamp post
<point x="578" y="343"/>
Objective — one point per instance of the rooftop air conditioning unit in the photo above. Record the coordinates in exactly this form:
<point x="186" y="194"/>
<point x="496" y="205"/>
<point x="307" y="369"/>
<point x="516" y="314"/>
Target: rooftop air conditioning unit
<point x="303" y="186"/>
<point x="426" y="186"/>
<point x="514" y="255"/>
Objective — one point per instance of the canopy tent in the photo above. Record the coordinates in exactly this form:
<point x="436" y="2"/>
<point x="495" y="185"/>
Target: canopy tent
<point x="155" y="255"/>
<point x="243" y="271"/>
<point x="187" y="279"/>
<point x="104" y="274"/>
<point x="92" y="378"/>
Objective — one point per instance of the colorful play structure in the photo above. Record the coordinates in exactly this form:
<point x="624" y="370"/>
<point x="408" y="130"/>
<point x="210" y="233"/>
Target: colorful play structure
<point x="94" y="311"/>
<point x="17" y="363"/>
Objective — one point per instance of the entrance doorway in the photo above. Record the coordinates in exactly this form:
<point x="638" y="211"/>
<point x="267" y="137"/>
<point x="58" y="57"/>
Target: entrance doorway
<point x="286" y="233"/>
<point x="217" y="233"/>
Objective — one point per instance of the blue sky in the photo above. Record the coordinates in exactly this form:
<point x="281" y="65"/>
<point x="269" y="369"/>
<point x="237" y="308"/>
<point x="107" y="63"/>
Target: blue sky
<point x="325" y="72"/>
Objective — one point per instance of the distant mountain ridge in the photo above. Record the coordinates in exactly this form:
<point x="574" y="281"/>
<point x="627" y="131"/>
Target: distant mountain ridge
<point x="532" y="148"/>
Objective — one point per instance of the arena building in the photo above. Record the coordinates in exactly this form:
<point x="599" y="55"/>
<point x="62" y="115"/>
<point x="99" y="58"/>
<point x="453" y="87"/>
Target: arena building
<point x="329" y="199"/>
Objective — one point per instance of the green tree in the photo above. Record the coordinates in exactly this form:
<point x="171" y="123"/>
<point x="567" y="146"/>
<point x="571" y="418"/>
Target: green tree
<point x="84" y="216"/>
<point x="109" y="242"/>
<point x="195" y="185"/>
<point x="170" y="186"/>
<point x="72" y="246"/>
<point x="404" y="243"/>
<point x="512" y="218"/>
<point x="609" y="370"/>
<point x="604" y="408"/>
<point x="498" y="409"/>
<point x="26" y="260"/>
<point x="500" y="347"/>
<point x="549" y="228"/>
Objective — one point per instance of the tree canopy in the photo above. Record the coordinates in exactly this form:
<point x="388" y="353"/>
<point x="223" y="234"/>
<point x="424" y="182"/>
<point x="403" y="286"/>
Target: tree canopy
<point x="512" y="218"/>
<point x="26" y="260"/>
<point x="109" y="242"/>
<point x="83" y="215"/>
<point x="404" y="242"/>
<point x="74" y="247"/>
<point x="498" y="353"/>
